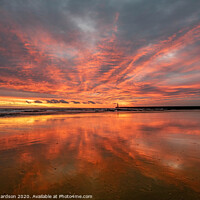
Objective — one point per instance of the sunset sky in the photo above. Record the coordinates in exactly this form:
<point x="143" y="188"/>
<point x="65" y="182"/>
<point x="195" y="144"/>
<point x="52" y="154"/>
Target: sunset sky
<point x="96" y="53"/>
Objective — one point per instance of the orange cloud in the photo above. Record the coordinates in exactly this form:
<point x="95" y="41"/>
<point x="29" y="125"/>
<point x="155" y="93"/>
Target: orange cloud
<point x="107" y="71"/>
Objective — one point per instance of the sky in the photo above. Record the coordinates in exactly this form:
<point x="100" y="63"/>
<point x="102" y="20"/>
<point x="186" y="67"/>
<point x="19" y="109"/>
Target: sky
<point x="96" y="53"/>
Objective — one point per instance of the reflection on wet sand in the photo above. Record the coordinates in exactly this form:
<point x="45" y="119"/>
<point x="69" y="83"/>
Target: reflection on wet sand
<point x="109" y="155"/>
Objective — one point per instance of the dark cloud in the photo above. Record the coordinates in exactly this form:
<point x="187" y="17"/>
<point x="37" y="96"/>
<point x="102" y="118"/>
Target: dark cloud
<point x="53" y="101"/>
<point x="91" y="102"/>
<point x="75" y="102"/>
<point x="57" y="101"/>
<point x="154" y="19"/>
<point x="37" y="101"/>
<point x="63" y="101"/>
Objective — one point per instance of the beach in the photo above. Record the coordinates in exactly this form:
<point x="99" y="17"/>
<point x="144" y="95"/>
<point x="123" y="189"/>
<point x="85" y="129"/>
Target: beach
<point x="108" y="155"/>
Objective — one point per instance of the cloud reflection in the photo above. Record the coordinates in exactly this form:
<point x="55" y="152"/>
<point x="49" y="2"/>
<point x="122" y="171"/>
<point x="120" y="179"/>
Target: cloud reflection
<point x="159" y="148"/>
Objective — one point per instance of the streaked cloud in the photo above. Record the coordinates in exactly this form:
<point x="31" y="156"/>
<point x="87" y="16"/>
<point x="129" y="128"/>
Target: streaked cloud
<point x="101" y="52"/>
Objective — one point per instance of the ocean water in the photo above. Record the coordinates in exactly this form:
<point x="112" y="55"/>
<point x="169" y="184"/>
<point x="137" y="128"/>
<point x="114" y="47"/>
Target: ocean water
<point x="109" y="155"/>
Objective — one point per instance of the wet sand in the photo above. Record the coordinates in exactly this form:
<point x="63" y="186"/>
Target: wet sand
<point x="110" y="155"/>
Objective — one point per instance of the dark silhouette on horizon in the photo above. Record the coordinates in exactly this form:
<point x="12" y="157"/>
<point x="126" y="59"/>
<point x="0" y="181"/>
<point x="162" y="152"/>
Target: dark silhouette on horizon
<point x="152" y="108"/>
